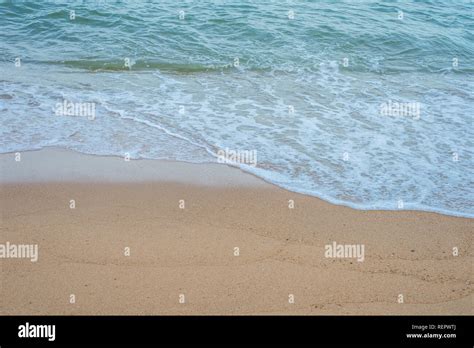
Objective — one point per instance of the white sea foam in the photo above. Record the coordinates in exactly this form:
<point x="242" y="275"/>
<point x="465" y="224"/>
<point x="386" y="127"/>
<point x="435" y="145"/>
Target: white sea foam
<point x="332" y="142"/>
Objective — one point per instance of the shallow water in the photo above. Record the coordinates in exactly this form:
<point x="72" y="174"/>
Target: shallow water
<point x="302" y="83"/>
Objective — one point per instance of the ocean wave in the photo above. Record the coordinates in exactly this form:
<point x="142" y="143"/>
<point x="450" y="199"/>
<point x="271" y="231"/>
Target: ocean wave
<point x="306" y="93"/>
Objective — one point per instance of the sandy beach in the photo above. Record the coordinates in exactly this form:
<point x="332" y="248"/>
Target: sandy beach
<point x="160" y="237"/>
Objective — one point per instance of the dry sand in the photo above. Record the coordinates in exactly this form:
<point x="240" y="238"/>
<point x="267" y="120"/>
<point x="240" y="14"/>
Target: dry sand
<point x="190" y="251"/>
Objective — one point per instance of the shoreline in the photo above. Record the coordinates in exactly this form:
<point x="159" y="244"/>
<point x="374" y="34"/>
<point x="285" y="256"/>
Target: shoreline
<point x="191" y="250"/>
<point x="235" y="175"/>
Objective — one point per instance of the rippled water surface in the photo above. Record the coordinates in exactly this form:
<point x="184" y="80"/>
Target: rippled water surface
<point x="301" y="82"/>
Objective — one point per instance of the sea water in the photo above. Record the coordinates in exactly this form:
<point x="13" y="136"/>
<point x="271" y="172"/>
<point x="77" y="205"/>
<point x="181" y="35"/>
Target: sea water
<point x="362" y="103"/>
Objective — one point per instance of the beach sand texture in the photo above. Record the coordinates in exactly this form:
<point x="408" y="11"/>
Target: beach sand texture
<point x="191" y="251"/>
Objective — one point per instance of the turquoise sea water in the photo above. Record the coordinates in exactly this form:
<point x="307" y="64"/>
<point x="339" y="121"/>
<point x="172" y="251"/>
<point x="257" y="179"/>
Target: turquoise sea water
<point x="301" y="82"/>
